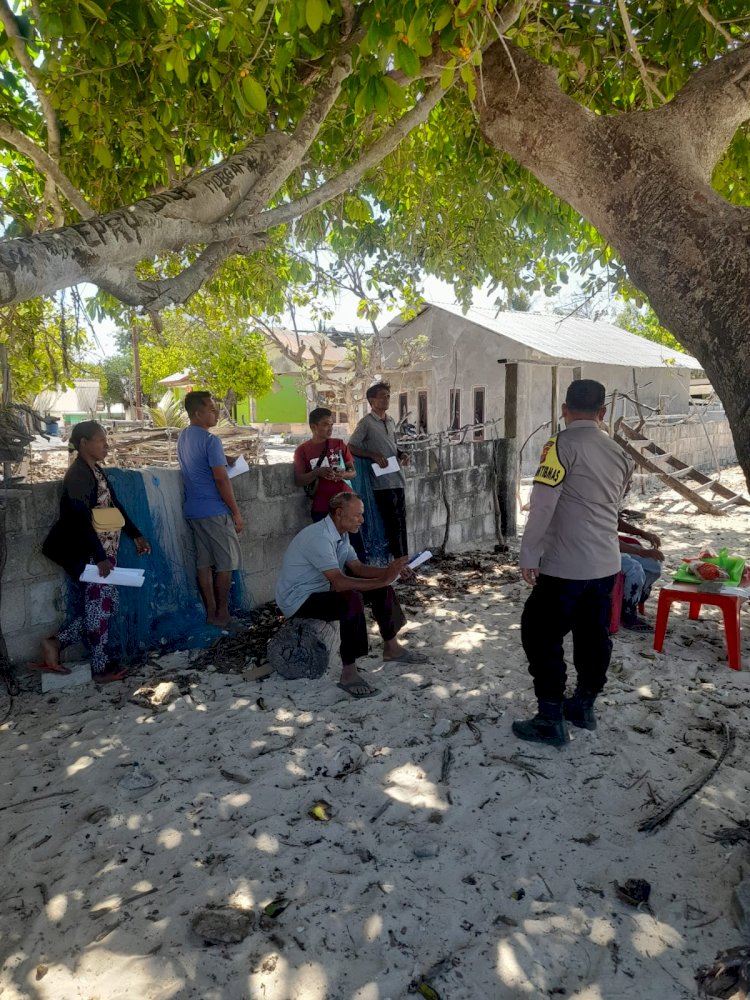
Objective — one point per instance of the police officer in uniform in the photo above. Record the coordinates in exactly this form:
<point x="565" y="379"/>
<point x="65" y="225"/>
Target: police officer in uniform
<point x="570" y="556"/>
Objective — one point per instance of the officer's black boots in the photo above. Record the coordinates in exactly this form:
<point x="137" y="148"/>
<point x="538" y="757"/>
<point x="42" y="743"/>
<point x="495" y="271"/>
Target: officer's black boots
<point x="579" y="710"/>
<point x="547" y="726"/>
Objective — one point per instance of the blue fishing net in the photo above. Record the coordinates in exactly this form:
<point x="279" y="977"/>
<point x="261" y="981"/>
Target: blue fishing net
<point x="373" y="534"/>
<point x="166" y="612"/>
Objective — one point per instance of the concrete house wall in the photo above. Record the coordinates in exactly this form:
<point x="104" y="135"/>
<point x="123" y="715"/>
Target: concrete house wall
<point x="463" y="354"/>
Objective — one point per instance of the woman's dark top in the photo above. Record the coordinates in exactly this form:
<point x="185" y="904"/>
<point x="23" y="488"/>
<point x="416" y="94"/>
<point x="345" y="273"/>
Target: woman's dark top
<point x="73" y="542"/>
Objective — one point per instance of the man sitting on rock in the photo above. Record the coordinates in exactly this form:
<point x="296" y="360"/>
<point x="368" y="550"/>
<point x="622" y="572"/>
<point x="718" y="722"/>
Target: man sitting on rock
<point x="321" y="577"/>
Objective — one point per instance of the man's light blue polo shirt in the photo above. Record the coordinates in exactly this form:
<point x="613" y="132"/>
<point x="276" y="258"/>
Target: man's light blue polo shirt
<point x="314" y="550"/>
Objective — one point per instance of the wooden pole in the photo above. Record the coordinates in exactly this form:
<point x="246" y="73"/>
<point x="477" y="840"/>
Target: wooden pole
<point x="555" y="416"/>
<point x="511" y="400"/>
<point x="7" y="400"/>
<point x="137" y="390"/>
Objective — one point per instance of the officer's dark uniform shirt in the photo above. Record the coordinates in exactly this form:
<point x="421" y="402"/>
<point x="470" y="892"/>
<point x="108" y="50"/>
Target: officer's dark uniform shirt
<point x="578" y="488"/>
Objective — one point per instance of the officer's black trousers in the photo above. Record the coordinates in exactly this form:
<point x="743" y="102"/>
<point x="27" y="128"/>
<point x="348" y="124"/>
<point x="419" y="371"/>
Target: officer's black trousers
<point x="554" y="608"/>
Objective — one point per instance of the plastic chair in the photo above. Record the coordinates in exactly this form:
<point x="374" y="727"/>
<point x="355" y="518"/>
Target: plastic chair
<point x="689" y="593"/>
<point x="617" y="593"/>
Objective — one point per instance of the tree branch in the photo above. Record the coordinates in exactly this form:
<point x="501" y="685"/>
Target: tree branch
<point x="47" y="166"/>
<point x="9" y="22"/>
<point x="348" y="178"/>
<point x="303" y="136"/>
<point x="525" y="93"/>
<point x="717" y="25"/>
<point x="156" y="295"/>
<point x="710" y="108"/>
<point x="651" y="88"/>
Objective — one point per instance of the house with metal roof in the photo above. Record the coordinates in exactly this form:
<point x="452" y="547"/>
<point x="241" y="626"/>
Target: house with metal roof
<point x="508" y="371"/>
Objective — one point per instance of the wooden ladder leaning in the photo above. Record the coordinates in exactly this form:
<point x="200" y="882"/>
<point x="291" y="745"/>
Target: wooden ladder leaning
<point x="676" y="473"/>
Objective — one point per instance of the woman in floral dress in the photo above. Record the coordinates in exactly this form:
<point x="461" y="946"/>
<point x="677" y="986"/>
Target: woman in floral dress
<point x="75" y="540"/>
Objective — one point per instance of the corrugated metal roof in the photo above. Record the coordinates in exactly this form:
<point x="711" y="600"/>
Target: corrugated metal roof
<point x="574" y="339"/>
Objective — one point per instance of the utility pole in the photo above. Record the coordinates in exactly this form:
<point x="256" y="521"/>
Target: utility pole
<point x="137" y="391"/>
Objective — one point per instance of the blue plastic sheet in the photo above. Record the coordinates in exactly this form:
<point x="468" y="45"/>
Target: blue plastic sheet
<point x="166" y="612"/>
<point x="373" y="534"/>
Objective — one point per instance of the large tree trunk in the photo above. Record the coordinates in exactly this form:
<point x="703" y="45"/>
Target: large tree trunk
<point x="643" y="180"/>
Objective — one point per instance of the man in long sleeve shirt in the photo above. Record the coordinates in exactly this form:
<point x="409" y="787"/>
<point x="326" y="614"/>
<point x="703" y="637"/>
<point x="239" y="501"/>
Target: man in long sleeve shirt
<point x="570" y="555"/>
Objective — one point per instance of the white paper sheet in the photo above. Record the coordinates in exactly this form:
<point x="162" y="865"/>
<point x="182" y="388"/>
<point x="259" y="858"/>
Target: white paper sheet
<point x="238" y="468"/>
<point x="420" y="558"/>
<point x="392" y="466"/>
<point x="121" y="576"/>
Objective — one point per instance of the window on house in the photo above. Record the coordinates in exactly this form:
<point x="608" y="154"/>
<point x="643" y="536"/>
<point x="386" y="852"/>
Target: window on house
<point x="479" y="416"/>
<point x="403" y="404"/>
<point x="422" y="412"/>
<point x="454" y="410"/>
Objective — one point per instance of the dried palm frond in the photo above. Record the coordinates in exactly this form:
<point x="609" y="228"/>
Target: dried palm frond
<point x="19" y="425"/>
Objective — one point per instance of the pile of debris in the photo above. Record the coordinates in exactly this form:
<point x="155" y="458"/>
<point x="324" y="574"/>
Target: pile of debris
<point x="137" y="449"/>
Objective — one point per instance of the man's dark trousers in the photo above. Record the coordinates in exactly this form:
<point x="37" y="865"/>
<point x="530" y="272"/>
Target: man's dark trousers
<point x="554" y="608"/>
<point x="349" y="608"/>
<point x="392" y="507"/>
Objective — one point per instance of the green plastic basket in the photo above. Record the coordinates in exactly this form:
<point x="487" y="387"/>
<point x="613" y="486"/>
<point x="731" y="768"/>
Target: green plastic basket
<point x="734" y="566"/>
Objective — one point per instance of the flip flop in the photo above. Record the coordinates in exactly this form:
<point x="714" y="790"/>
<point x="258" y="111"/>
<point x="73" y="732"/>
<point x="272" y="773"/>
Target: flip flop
<point x="48" y="668"/>
<point x="639" y="625"/>
<point x="408" y="656"/>
<point x="365" y="690"/>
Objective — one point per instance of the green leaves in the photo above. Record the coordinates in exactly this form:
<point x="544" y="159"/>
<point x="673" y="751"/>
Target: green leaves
<point x="407" y="59"/>
<point x="93" y="8"/>
<point x="254" y="94"/>
<point x="314" y="14"/>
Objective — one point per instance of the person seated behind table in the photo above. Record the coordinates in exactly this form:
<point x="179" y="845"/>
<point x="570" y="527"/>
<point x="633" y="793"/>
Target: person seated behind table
<point x="323" y="465"/>
<point x="642" y="568"/>
<point x="74" y="541"/>
<point x="321" y="577"/>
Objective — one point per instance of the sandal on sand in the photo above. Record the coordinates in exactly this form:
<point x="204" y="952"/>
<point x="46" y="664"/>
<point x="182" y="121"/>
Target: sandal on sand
<point x="358" y="689"/>
<point x="639" y="625"/>
<point x="408" y="656"/>
<point x="49" y="668"/>
<point x="109" y="676"/>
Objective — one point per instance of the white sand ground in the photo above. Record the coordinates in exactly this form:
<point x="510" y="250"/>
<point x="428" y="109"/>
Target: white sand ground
<point x="495" y="883"/>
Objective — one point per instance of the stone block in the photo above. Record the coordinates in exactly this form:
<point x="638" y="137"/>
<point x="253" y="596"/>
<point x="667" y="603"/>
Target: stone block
<point x="424" y="516"/>
<point x="261" y="587"/>
<point x="427" y="489"/>
<point x="461" y="508"/>
<point x="461" y="456"/>
<point x="277" y="480"/>
<point x="433" y="461"/>
<point x="13" y="608"/>
<point x="44" y="506"/>
<point x="286" y="515"/>
<point x="80" y="674"/>
<point x="15" y="513"/>
<point x="44" y="601"/>
<point x="739" y="908"/>
<point x="247" y="486"/>
<point x="420" y="463"/>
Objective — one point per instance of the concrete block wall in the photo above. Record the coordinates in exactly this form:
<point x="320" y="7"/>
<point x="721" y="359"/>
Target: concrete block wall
<point x="689" y="440"/>
<point x="34" y="590"/>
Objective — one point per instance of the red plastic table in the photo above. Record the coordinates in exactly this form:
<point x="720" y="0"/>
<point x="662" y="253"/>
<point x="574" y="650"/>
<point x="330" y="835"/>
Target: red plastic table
<point x="688" y="593"/>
